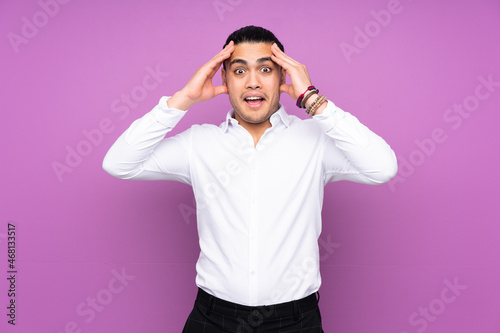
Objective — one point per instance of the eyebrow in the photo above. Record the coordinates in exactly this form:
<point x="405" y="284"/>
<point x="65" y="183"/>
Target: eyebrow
<point x="244" y="62"/>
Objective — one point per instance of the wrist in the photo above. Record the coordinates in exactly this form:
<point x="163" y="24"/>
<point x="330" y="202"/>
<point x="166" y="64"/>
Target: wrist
<point x="301" y="100"/>
<point x="311" y="100"/>
<point x="322" y="107"/>
<point x="180" y="101"/>
<point x="317" y="105"/>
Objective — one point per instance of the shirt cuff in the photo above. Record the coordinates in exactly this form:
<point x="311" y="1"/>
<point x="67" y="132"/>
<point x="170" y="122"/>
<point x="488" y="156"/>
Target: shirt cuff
<point x="166" y="115"/>
<point x="330" y="116"/>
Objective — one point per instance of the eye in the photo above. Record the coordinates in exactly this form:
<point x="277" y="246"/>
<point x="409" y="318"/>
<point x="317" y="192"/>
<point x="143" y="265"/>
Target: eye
<point x="266" y="69"/>
<point x="239" y="71"/>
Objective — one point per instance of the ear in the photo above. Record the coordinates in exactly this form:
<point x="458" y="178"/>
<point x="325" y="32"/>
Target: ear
<point x="223" y="75"/>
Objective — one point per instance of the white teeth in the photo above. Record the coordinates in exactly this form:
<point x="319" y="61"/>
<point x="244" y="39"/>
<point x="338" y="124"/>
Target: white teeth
<point x="253" y="98"/>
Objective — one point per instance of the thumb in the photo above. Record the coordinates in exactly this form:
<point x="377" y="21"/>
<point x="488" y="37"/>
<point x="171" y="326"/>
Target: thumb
<point x="220" y="90"/>
<point x="285" y="88"/>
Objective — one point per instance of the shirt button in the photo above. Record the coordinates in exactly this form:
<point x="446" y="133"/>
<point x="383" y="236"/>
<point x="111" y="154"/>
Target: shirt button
<point x="252" y="272"/>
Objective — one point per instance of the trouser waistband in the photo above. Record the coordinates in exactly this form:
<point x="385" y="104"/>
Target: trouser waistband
<point x="288" y="309"/>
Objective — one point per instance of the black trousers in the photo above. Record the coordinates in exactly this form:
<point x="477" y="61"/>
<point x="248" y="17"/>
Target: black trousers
<point x="214" y="315"/>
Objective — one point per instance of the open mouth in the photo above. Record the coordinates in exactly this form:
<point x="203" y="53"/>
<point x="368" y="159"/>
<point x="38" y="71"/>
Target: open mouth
<point x="254" y="101"/>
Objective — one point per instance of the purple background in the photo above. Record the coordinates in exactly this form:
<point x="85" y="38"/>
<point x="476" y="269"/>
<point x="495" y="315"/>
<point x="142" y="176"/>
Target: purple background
<point x="388" y="252"/>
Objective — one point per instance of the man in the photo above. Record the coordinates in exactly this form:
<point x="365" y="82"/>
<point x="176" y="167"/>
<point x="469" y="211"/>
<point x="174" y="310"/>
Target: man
<point x="258" y="180"/>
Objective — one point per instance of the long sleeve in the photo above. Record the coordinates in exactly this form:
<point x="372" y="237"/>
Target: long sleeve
<point x="352" y="151"/>
<point x="133" y="156"/>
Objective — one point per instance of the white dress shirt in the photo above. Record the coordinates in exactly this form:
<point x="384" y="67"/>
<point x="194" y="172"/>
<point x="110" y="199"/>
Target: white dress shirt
<point x="258" y="208"/>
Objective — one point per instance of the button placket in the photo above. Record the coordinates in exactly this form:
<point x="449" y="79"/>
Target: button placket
<point x="253" y="232"/>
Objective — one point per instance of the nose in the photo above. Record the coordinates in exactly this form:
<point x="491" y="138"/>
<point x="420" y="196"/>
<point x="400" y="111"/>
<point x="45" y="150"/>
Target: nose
<point x="253" y="81"/>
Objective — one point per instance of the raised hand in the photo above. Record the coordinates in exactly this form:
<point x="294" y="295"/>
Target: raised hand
<point x="299" y="77"/>
<point x="297" y="72"/>
<point x="200" y="87"/>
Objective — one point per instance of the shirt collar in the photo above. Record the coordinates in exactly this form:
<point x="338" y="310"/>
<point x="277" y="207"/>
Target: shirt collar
<point x="278" y="116"/>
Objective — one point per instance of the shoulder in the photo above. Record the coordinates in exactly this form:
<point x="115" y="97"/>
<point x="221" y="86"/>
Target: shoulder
<point x="306" y="125"/>
<point x="204" y="130"/>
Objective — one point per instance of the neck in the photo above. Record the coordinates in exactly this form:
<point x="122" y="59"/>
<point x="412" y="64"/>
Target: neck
<point x="255" y="129"/>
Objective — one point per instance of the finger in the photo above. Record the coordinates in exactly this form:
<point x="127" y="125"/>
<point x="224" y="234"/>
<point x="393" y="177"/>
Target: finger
<point x="295" y="70"/>
<point x="280" y="62"/>
<point x="215" y="63"/>
<point x="285" y="88"/>
<point x="220" y="90"/>
<point x="222" y="55"/>
<point x="226" y="51"/>
<point x="287" y="64"/>
<point x="283" y="55"/>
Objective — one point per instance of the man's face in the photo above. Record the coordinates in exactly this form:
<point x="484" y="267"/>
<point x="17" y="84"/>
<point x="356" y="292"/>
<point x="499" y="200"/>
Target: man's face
<point x="253" y="82"/>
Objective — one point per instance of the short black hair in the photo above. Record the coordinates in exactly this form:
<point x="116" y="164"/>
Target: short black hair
<point x="252" y="34"/>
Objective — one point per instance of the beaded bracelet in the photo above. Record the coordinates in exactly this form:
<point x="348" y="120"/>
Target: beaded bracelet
<point x="313" y="112"/>
<point x="320" y="102"/>
<point x="314" y="107"/>
<point x="299" y="100"/>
